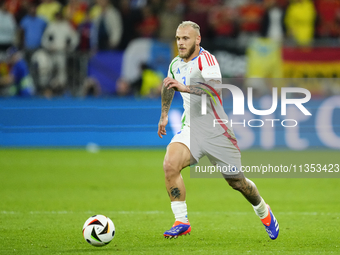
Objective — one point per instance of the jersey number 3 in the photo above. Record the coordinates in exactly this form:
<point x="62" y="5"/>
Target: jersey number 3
<point x="184" y="80"/>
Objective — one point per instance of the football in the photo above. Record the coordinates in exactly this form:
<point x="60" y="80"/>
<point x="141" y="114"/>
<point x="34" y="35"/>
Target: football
<point x="98" y="230"/>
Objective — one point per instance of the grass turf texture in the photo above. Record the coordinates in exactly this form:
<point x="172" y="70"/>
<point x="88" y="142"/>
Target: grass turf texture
<point x="46" y="196"/>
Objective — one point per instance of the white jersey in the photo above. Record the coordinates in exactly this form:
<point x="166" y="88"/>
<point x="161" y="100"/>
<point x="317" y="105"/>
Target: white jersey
<point x="202" y="68"/>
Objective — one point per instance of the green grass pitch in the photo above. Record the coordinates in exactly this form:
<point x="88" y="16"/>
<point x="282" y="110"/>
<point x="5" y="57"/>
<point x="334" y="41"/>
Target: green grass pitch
<point x="47" y="194"/>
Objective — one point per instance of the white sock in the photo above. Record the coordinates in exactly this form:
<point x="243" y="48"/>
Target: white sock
<point x="261" y="209"/>
<point x="179" y="208"/>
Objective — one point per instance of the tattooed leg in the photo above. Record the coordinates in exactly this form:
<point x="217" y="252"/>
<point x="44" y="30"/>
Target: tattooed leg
<point x="175" y="192"/>
<point x="247" y="188"/>
<point x="177" y="157"/>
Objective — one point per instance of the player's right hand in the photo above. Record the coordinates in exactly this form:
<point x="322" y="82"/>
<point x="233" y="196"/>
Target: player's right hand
<point x="161" y="126"/>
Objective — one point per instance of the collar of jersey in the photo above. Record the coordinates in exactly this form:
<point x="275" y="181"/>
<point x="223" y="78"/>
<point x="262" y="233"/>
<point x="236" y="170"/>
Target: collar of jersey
<point x="201" y="49"/>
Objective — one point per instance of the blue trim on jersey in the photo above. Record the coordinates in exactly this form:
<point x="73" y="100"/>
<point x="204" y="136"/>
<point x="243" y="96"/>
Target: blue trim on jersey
<point x="201" y="49"/>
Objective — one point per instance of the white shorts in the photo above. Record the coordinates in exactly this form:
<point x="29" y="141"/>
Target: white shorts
<point x="220" y="150"/>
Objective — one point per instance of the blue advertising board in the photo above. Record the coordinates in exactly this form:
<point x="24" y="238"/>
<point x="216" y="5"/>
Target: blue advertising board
<point x="130" y="122"/>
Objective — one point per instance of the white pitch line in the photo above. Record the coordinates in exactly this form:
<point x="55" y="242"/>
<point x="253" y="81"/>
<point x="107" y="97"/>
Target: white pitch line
<point x="162" y="212"/>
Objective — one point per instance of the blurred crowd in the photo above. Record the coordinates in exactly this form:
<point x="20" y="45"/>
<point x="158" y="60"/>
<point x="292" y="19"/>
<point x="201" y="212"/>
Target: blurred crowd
<point x="51" y="29"/>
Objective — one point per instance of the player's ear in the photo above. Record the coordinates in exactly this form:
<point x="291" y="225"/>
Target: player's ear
<point x="198" y="40"/>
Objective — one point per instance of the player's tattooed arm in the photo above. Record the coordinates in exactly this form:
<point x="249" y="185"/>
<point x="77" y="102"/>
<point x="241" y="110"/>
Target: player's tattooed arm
<point x="196" y="90"/>
<point x="199" y="89"/>
<point x="204" y="88"/>
<point x="167" y="96"/>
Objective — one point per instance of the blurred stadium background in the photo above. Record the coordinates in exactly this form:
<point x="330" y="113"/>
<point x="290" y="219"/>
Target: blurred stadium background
<point x="95" y="68"/>
<point x="78" y="74"/>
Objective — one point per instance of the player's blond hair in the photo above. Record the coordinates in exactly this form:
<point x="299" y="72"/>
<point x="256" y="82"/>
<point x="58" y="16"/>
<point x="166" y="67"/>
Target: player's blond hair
<point x="190" y="24"/>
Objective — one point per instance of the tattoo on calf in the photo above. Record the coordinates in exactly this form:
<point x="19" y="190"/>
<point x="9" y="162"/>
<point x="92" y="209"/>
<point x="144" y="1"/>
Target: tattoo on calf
<point x="251" y="193"/>
<point x="175" y="192"/>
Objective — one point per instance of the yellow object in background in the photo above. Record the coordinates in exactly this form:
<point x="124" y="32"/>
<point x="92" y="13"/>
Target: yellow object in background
<point x="151" y="82"/>
<point x="48" y="10"/>
<point x="95" y="12"/>
<point x="4" y="69"/>
<point x="300" y="17"/>
<point x="264" y="59"/>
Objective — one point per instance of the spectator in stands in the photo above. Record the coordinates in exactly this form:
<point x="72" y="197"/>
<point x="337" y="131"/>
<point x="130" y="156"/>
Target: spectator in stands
<point x="337" y="24"/>
<point x="95" y="11"/>
<point x="59" y="39"/>
<point x="18" y="8"/>
<point x="84" y="31"/>
<point x="48" y="8"/>
<point x="300" y="19"/>
<point x="60" y="35"/>
<point x="7" y="27"/>
<point x="13" y="6"/>
<point x="250" y="21"/>
<point x="31" y="29"/>
<point x="88" y="2"/>
<point x="107" y="28"/>
<point x="130" y="18"/>
<point x="235" y="3"/>
<point x="196" y="12"/>
<point x="169" y="19"/>
<point x="148" y="84"/>
<point x="222" y="20"/>
<point x="18" y="82"/>
<point x="328" y="12"/>
<point x="207" y="5"/>
<point x="42" y="72"/>
<point x="149" y="24"/>
<point x="151" y="82"/>
<point x="272" y="25"/>
<point x="91" y="87"/>
<point x="123" y="88"/>
<point x="157" y="5"/>
<point x="75" y="11"/>
<point x="138" y="4"/>
<point x="23" y="9"/>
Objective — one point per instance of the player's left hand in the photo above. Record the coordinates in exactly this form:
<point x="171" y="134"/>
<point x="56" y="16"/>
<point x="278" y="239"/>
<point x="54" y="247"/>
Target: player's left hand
<point x="176" y="85"/>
